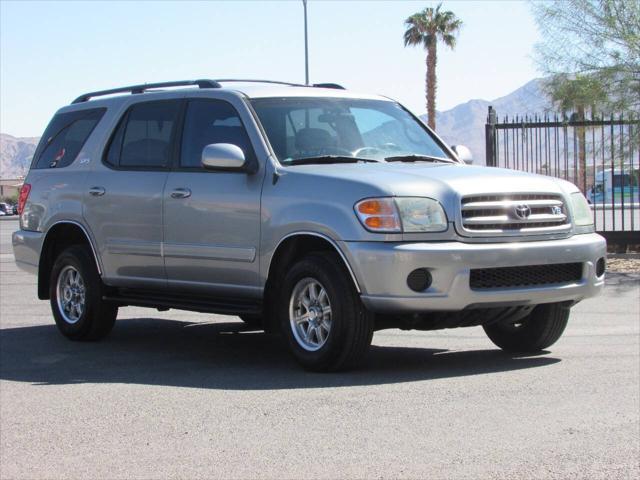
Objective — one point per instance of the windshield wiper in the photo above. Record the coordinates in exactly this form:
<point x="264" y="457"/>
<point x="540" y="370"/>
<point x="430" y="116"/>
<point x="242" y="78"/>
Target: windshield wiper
<point x="417" y="158"/>
<point x="322" y="159"/>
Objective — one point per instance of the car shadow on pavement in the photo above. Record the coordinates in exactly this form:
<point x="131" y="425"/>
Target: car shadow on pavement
<point x="220" y="356"/>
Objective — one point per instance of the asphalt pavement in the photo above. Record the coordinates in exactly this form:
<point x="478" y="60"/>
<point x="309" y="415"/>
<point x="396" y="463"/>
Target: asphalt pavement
<point x="185" y="395"/>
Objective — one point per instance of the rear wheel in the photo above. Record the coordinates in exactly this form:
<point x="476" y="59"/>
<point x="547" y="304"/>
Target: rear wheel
<point x="76" y="292"/>
<point x="537" y="331"/>
<point x="323" y="320"/>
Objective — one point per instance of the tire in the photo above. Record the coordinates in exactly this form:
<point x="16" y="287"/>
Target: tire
<point x="337" y="337"/>
<point x="252" y="320"/>
<point x="537" y="331"/>
<point x="75" y="281"/>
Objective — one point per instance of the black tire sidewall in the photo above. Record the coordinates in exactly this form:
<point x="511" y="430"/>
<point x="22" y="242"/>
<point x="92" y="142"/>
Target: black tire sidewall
<point x="541" y="329"/>
<point x="344" y="307"/>
<point x="79" y="258"/>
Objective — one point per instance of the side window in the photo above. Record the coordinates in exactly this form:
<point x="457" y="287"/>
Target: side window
<point x="144" y="137"/>
<point x="211" y="121"/>
<point x="65" y="136"/>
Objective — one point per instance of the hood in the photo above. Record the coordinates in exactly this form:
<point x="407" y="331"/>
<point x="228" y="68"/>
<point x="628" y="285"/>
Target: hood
<point x="439" y="181"/>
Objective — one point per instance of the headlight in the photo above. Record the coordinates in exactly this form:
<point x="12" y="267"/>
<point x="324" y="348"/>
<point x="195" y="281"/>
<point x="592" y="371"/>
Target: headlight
<point x="582" y="215"/>
<point x="421" y="215"/>
<point x="408" y="214"/>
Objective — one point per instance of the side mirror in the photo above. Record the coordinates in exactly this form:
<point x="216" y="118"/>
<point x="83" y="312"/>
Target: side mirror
<point x="463" y="153"/>
<point x="223" y="156"/>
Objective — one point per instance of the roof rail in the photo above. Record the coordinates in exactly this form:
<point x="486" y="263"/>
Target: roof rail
<point x="146" y="86"/>
<point x="247" y="80"/>
<point x="329" y="85"/>
<point x="316" y="85"/>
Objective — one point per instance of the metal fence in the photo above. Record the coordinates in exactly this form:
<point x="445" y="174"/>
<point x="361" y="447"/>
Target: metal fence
<point x="599" y="155"/>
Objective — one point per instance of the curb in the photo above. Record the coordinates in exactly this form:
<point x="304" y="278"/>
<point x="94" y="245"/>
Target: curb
<point x="624" y="256"/>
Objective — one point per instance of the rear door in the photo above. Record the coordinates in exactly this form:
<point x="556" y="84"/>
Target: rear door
<point x="124" y="195"/>
<point x="212" y="218"/>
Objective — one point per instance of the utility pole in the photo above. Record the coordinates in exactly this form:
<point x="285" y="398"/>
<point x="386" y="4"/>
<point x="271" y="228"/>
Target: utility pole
<point x="306" y="46"/>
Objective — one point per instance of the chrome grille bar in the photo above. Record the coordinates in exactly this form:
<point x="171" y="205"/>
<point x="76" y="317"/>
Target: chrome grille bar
<point x="534" y="218"/>
<point x="511" y="203"/>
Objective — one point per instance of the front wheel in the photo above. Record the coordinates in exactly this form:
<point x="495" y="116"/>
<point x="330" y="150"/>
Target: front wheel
<point x="323" y="320"/>
<point x="537" y="331"/>
<point x="76" y="293"/>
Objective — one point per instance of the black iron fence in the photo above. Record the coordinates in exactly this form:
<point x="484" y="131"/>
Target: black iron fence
<point x="599" y="155"/>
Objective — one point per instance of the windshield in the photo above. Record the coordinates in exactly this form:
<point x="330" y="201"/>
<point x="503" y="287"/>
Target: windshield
<point x="301" y="128"/>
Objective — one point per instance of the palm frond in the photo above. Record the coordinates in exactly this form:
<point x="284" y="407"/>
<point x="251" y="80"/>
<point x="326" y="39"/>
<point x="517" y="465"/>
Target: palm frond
<point x="430" y="25"/>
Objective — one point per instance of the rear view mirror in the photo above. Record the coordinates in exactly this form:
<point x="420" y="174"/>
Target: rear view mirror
<point x="223" y="156"/>
<point x="463" y="154"/>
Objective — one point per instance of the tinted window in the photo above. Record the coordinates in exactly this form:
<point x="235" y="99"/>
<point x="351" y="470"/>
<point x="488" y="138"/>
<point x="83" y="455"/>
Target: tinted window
<point x="623" y="181"/>
<point x="211" y="121"/>
<point x="64" y="138"/>
<point x="143" y="140"/>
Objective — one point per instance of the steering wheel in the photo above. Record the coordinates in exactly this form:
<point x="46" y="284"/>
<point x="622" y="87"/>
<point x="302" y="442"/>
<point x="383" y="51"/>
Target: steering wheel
<point x="367" y="151"/>
<point x="329" y="150"/>
<point x="381" y="150"/>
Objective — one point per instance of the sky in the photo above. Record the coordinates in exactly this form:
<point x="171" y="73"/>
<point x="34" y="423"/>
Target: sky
<point x="51" y="52"/>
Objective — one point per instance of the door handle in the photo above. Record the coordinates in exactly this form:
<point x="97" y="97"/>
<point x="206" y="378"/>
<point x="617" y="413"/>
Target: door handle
<point x="97" y="191"/>
<point x="181" y="193"/>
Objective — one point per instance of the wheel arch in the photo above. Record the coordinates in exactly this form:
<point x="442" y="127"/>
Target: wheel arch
<point x="313" y="239"/>
<point x="292" y="247"/>
<point x="59" y="236"/>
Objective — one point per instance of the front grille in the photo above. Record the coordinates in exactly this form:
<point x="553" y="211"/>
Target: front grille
<point x="492" y="215"/>
<point x="528" y="276"/>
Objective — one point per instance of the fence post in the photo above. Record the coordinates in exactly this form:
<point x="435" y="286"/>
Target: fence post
<point x="490" y="136"/>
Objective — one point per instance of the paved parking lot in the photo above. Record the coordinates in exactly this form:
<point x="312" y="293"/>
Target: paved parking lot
<point x="184" y="395"/>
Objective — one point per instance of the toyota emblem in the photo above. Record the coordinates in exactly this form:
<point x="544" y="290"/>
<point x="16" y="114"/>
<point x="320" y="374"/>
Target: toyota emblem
<point x="522" y="211"/>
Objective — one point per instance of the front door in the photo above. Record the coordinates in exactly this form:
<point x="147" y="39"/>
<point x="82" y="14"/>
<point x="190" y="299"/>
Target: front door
<point x="212" y="218"/>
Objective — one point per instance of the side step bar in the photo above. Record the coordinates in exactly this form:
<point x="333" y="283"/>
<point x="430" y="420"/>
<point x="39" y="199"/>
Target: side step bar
<point x="164" y="301"/>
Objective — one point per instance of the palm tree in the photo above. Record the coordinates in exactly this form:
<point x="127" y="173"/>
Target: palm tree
<point x="577" y="94"/>
<point x="426" y="28"/>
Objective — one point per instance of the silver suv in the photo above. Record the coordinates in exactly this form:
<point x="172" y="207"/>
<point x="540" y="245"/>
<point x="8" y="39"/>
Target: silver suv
<point x="306" y="210"/>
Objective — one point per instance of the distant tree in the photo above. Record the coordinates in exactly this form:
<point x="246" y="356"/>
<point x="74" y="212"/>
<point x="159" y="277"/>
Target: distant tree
<point x="591" y="51"/>
<point x="576" y="96"/>
<point x="426" y="29"/>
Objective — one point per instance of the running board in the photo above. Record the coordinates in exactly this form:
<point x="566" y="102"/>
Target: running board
<point x="164" y="301"/>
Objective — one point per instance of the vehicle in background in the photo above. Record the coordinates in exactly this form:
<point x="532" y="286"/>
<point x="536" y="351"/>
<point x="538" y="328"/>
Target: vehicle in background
<point x="6" y="209"/>
<point x="615" y="187"/>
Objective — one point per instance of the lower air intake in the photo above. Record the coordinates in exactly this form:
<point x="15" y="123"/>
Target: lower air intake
<point x="527" y="276"/>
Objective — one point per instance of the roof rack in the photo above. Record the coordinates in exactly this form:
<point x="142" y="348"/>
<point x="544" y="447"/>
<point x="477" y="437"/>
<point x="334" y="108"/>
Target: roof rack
<point x="147" y="86"/>
<point x="246" y="80"/>
<point x="133" y="89"/>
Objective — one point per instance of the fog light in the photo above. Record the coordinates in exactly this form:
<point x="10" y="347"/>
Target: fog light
<point x="419" y="280"/>
<point x="601" y="266"/>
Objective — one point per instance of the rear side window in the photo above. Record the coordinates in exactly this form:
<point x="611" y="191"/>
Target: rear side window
<point x="211" y="121"/>
<point x="64" y="137"/>
<point x="144" y="137"/>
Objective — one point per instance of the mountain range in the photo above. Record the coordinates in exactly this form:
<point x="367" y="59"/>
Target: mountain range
<point x="15" y="155"/>
<point x="463" y="124"/>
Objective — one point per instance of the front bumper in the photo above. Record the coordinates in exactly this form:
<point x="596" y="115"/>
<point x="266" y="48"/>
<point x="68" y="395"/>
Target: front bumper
<point x="382" y="268"/>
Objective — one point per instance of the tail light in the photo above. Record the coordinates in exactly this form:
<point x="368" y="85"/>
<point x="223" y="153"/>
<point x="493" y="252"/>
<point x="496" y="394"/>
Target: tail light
<point x="22" y="198"/>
